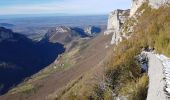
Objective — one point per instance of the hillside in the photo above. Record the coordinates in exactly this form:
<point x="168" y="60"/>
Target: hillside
<point x="147" y="27"/>
<point x="70" y="66"/>
<point x="123" y="77"/>
<point x="65" y="34"/>
<point x="18" y="53"/>
<point x="20" y="57"/>
<point x="108" y="66"/>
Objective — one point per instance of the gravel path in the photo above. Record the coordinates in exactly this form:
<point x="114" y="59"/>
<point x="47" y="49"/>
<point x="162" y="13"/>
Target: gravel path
<point x="156" y="82"/>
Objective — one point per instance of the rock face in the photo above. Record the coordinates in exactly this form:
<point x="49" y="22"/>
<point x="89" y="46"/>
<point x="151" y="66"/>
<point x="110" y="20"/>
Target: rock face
<point x="62" y="29"/>
<point x="135" y="5"/>
<point x="115" y="21"/>
<point x="92" y="30"/>
<point x="153" y="3"/>
<point x="5" y="34"/>
<point x="118" y="17"/>
<point x="158" y="3"/>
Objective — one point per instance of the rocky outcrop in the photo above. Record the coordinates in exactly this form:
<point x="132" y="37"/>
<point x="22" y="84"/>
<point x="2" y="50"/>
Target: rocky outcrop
<point x="62" y="29"/>
<point x="118" y="17"/>
<point x="92" y="30"/>
<point x="158" y="3"/>
<point x="115" y="21"/>
<point x="135" y="5"/>
<point x="5" y="34"/>
<point x="153" y="3"/>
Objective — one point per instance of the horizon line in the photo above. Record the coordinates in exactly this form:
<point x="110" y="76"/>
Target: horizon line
<point x="46" y="15"/>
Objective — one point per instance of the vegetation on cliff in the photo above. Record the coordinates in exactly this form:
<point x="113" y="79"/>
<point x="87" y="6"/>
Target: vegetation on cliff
<point x="123" y="77"/>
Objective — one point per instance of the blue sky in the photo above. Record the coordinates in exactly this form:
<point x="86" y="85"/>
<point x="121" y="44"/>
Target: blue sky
<point x="71" y="7"/>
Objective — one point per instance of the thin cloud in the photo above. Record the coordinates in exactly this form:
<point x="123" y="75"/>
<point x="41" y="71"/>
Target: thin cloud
<point x="33" y="9"/>
<point x="67" y="6"/>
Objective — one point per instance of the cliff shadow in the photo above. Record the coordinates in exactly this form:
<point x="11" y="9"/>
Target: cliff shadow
<point x="20" y="59"/>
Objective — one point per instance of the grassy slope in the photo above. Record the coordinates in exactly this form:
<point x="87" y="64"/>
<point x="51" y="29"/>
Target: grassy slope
<point x="123" y="76"/>
<point x="70" y="66"/>
<point x="82" y="87"/>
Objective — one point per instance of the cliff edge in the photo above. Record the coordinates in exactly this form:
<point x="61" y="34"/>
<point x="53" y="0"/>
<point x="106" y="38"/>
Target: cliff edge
<point x="117" y="18"/>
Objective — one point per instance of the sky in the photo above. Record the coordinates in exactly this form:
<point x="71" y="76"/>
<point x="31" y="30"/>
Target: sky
<point x="70" y="7"/>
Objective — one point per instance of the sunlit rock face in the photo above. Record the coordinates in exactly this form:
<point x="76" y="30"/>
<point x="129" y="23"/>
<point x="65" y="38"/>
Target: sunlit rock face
<point x="135" y="5"/>
<point x="115" y="21"/>
<point x="158" y="3"/>
<point x="62" y="29"/>
<point x="92" y="30"/>
<point x="153" y="3"/>
<point x="118" y="17"/>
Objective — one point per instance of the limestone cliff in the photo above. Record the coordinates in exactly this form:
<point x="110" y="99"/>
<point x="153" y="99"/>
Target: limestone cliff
<point x="153" y="3"/>
<point x="158" y="3"/>
<point x="118" y="17"/>
<point x="135" y="5"/>
<point x="115" y="21"/>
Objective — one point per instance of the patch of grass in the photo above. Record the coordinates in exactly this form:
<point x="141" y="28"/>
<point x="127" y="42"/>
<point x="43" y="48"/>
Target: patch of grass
<point x="23" y="89"/>
<point x="79" y="89"/>
<point x="64" y="91"/>
<point x="154" y="26"/>
<point x="40" y="77"/>
<point x="136" y="90"/>
<point x="68" y="59"/>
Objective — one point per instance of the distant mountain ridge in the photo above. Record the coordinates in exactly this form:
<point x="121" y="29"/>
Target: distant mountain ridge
<point x="65" y="34"/>
<point x="20" y="57"/>
<point x="6" y="25"/>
